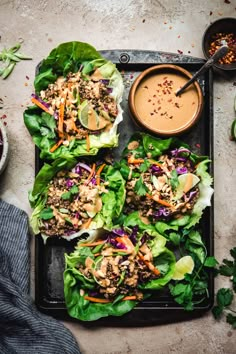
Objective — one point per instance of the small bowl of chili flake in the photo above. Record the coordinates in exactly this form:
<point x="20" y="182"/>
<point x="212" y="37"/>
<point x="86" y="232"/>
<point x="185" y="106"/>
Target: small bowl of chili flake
<point x="222" y="31"/>
<point x="4" y="148"/>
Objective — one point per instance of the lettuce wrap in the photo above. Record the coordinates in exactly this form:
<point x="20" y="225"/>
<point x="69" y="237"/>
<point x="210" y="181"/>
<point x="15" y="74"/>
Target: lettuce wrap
<point x="76" y="103"/>
<point x="70" y="198"/>
<point x="110" y="275"/>
<point x="166" y="183"/>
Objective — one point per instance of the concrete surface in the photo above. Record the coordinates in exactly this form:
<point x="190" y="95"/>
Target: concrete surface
<point x="166" y="25"/>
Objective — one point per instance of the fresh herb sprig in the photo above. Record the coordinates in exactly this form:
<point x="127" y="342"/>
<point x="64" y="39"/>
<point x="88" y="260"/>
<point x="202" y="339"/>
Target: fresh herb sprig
<point x="225" y="296"/>
<point x="10" y="57"/>
<point x="233" y="125"/>
<point x="193" y="289"/>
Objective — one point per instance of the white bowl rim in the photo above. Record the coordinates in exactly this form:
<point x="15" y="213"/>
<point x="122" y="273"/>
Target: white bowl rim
<point x="5" y="151"/>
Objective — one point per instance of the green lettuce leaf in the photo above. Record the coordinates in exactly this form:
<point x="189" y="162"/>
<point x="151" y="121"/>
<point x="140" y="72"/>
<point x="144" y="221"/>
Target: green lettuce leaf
<point x="113" y="200"/>
<point x="68" y="57"/>
<point x="147" y="146"/>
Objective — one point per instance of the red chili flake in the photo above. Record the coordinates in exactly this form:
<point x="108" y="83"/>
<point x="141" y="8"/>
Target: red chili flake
<point x="227" y="1"/>
<point x="3" y="116"/>
<point x="5" y="123"/>
<point x="178" y="36"/>
<point x="27" y="77"/>
<point x="180" y="51"/>
<point x="131" y="76"/>
<point x="198" y="146"/>
<point x="210" y="13"/>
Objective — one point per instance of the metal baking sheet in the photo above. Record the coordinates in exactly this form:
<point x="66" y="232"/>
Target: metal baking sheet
<point x="49" y="258"/>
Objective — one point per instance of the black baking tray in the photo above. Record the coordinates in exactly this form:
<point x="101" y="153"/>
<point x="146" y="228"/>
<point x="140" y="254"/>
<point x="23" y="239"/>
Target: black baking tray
<point x="49" y="257"/>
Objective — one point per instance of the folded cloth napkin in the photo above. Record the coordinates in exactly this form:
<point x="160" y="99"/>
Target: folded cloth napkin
<point x="23" y="329"/>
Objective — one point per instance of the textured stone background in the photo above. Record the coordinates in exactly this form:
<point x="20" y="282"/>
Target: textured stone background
<point x="166" y="25"/>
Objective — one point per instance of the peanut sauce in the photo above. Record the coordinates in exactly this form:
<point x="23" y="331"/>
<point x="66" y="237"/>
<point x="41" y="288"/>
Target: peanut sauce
<point x="159" y="108"/>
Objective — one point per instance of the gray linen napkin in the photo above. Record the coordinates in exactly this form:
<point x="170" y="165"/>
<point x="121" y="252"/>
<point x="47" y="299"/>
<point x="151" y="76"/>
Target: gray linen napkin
<point x="23" y="329"/>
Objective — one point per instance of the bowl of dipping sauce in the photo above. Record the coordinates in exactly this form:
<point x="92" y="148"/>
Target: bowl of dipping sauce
<point x="4" y="148"/>
<point x="154" y="105"/>
<point x="222" y="31"/>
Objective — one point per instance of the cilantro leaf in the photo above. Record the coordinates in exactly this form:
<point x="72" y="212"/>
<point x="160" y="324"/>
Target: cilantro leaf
<point x="74" y="189"/>
<point x="46" y="214"/>
<point x="217" y="311"/>
<point x="66" y="196"/>
<point x="231" y="319"/>
<point x="224" y="297"/>
<point x="233" y="253"/>
<point x="140" y="188"/>
<point x="174" y="182"/>
<point x="144" y="166"/>
<point x="210" y="262"/>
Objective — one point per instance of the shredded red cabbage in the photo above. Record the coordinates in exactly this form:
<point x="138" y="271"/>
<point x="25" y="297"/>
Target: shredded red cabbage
<point x="84" y="166"/>
<point x="133" y="236"/>
<point x="162" y="212"/>
<point x="181" y="170"/>
<point x="69" y="183"/>
<point x="178" y="151"/>
<point x="156" y="169"/>
<point x="104" y="81"/>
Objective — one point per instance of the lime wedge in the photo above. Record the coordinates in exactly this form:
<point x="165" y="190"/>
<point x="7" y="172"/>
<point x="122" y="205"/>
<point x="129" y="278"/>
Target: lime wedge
<point x="83" y="114"/>
<point x="233" y="130"/>
<point x="186" y="182"/>
<point x="183" y="266"/>
<point x="89" y="118"/>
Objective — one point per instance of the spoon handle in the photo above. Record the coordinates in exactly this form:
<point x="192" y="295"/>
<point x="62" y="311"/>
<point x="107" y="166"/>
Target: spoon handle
<point x="222" y="51"/>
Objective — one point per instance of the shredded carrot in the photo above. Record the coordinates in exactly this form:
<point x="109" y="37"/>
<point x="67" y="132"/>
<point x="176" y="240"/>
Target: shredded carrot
<point x="91" y="244"/>
<point x="61" y="120"/>
<point x="149" y="264"/>
<point x="86" y="225"/>
<point x="98" y="173"/>
<point x="87" y="142"/>
<point x="54" y="147"/>
<point x="133" y="160"/>
<point x="97" y="254"/>
<point x="106" y="301"/>
<point x="155" y="163"/>
<point x="131" y="297"/>
<point x="91" y="174"/>
<point x="158" y="200"/>
<point x="96" y="299"/>
<point x="40" y="105"/>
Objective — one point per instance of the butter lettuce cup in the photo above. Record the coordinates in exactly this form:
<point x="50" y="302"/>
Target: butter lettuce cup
<point x="76" y="101"/>
<point x="165" y="181"/>
<point x="110" y="274"/>
<point x="71" y="197"/>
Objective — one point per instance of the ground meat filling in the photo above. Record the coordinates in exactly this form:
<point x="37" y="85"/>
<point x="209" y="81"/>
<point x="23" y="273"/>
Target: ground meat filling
<point x="150" y="207"/>
<point x="72" y="201"/>
<point x="118" y="274"/>
<point x="73" y="90"/>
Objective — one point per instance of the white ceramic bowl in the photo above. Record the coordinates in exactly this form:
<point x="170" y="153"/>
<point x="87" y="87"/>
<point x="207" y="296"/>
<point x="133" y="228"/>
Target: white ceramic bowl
<point x="4" y="148"/>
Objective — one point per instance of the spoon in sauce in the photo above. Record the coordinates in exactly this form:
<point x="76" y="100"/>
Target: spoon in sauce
<point x="222" y="51"/>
